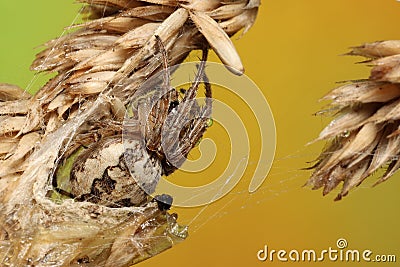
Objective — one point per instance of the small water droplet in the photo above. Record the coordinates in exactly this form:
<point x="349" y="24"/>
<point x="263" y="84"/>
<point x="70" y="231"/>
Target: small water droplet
<point x="210" y="122"/>
<point x="345" y="134"/>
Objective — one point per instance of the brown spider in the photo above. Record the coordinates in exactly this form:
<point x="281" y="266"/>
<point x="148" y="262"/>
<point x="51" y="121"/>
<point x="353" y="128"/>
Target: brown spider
<point x="121" y="170"/>
<point x="171" y="128"/>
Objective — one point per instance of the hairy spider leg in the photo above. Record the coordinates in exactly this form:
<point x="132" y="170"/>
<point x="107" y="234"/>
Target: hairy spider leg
<point x="167" y="78"/>
<point x="167" y="97"/>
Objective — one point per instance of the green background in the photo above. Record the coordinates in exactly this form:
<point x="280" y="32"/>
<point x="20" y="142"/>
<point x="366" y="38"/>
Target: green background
<point x="292" y="53"/>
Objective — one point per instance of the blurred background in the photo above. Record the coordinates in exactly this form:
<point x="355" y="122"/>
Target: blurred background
<point x="293" y="54"/>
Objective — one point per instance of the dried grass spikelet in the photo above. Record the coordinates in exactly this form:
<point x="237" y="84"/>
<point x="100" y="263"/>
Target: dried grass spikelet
<point x="365" y="136"/>
<point x="99" y="66"/>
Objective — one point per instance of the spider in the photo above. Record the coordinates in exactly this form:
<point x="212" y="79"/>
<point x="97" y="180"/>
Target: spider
<point x="120" y="170"/>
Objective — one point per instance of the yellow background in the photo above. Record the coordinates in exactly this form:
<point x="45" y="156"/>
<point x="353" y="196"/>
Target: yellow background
<point x="292" y="53"/>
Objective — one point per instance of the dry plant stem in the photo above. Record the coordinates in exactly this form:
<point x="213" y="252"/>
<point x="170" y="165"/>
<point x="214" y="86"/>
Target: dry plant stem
<point x="100" y="66"/>
<point x="365" y="136"/>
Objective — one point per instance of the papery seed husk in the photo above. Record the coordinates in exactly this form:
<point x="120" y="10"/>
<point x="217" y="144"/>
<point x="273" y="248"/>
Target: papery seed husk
<point x="218" y="40"/>
<point x="123" y="4"/>
<point x="362" y="140"/>
<point x="243" y="21"/>
<point x="9" y="124"/>
<point x="377" y="49"/>
<point x="363" y="92"/>
<point x="25" y="145"/>
<point x="10" y="92"/>
<point x="227" y="11"/>
<point x="349" y="121"/>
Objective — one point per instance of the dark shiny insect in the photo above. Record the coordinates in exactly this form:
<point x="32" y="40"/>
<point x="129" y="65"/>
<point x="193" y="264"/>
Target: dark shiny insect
<point x="164" y="202"/>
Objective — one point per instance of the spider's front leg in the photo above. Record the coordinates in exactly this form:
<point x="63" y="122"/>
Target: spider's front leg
<point x="153" y="113"/>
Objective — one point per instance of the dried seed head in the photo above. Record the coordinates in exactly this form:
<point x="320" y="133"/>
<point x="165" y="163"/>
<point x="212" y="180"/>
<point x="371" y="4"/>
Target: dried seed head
<point x="115" y="53"/>
<point x="366" y="134"/>
<point x="99" y="67"/>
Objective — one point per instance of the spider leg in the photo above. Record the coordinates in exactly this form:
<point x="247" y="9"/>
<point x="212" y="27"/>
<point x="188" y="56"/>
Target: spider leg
<point x="167" y="78"/>
<point x="192" y="91"/>
<point x="156" y="110"/>
<point x="198" y="124"/>
<point x="183" y="111"/>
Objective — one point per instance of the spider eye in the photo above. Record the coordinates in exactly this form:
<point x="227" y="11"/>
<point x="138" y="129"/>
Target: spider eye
<point x="173" y="105"/>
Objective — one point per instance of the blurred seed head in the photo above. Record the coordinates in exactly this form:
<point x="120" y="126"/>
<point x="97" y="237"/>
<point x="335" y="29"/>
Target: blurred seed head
<point x="365" y="135"/>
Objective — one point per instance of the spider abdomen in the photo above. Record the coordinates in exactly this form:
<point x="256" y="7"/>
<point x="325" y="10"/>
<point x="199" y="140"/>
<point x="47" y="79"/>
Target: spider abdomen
<point x="115" y="173"/>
